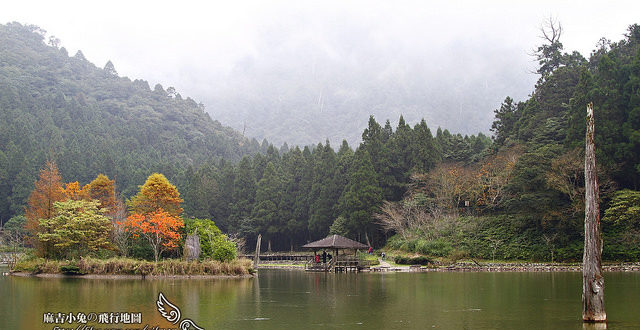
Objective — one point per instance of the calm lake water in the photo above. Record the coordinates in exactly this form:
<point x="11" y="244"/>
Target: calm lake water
<point x="279" y="299"/>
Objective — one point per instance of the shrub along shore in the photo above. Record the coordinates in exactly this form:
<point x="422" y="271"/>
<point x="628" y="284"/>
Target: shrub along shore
<point x="114" y="267"/>
<point x="523" y="267"/>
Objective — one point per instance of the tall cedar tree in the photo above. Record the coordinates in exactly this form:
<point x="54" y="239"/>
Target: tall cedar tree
<point x="425" y="151"/>
<point x="220" y="207"/>
<point x="400" y="151"/>
<point x="48" y="190"/>
<point x="294" y="205"/>
<point x="201" y="192"/>
<point x="361" y="197"/>
<point x="324" y="191"/>
<point x="504" y="124"/>
<point x="266" y="212"/>
<point x="244" y="190"/>
<point x="374" y="142"/>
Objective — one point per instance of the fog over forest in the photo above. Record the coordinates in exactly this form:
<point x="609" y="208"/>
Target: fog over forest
<point x="303" y="72"/>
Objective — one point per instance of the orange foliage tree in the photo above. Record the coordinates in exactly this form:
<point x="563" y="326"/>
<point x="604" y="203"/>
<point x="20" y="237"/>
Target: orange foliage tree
<point x="48" y="190"/>
<point x="156" y="193"/>
<point x="159" y="227"/>
<point x="103" y="190"/>
<point x="73" y="191"/>
<point x="155" y="214"/>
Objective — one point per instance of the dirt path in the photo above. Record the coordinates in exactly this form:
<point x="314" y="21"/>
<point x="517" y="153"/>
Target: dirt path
<point x="383" y="263"/>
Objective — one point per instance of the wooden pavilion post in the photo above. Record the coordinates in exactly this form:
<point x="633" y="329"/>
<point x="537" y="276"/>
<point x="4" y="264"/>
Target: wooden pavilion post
<point x="592" y="280"/>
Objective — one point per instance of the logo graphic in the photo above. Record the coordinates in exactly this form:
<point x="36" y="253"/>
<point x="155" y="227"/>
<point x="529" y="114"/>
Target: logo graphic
<point x="172" y="313"/>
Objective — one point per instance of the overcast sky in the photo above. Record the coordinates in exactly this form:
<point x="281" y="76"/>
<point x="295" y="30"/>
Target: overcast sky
<point x="195" y="46"/>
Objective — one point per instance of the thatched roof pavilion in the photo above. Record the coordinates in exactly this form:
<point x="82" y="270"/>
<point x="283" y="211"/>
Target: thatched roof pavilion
<point x="339" y="263"/>
<point x="336" y="242"/>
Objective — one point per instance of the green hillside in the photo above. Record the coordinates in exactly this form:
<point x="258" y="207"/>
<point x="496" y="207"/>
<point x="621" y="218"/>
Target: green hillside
<point x="90" y="120"/>
<point x="519" y="195"/>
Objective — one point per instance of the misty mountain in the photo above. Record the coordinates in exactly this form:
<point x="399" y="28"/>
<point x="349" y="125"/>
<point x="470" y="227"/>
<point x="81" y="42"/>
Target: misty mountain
<point x="92" y="121"/>
<point x="301" y="91"/>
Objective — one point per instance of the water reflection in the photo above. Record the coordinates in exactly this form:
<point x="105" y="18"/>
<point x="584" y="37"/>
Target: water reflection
<point x="298" y="300"/>
<point x="27" y="299"/>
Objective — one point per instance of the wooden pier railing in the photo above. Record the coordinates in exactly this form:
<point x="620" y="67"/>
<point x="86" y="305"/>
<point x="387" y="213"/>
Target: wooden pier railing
<point x="281" y="257"/>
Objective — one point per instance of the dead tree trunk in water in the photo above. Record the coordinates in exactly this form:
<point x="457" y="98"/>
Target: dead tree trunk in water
<point x="256" y="260"/>
<point x="592" y="280"/>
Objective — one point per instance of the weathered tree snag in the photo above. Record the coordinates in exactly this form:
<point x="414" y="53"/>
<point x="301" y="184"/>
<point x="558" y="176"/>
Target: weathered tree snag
<point x="192" y="248"/>
<point x="256" y="260"/>
<point x="592" y="280"/>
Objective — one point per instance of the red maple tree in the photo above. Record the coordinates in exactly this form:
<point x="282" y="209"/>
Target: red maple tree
<point x="159" y="227"/>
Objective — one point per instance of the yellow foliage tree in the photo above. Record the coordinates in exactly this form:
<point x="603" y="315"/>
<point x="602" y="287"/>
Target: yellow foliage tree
<point x="103" y="190"/>
<point x="156" y="193"/>
<point x="73" y="191"/>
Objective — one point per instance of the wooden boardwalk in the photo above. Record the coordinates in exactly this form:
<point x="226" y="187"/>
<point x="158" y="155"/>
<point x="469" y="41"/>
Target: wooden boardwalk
<point x="342" y="264"/>
<point x="337" y="266"/>
<point x="281" y="257"/>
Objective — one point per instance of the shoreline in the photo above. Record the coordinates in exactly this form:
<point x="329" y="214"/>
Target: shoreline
<point x="528" y="269"/>
<point x="129" y="277"/>
<point x="489" y="268"/>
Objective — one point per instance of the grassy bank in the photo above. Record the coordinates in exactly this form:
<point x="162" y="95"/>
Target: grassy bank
<point x="512" y="237"/>
<point x="126" y="266"/>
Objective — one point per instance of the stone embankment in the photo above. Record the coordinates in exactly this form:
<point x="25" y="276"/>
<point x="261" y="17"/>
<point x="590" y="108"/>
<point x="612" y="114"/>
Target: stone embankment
<point x="473" y="267"/>
<point x="528" y="267"/>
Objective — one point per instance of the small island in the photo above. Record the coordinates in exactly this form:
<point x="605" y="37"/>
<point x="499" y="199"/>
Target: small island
<point x="89" y="232"/>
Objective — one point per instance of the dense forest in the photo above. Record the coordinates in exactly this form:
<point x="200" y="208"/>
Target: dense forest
<point x="295" y="195"/>
<point x="92" y="121"/>
<point x="518" y="195"/>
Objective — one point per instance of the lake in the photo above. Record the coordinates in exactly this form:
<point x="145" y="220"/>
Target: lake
<point x="281" y="299"/>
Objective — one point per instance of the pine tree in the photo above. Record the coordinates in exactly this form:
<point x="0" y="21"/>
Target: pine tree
<point x="244" y="190"/>
<point x="425" y="151"/>
<point x="259" y="162"/>
<point x="375" y="142"/>
<point x="199" y="193"/>
<point x="266" y="213"/>
<point x="5" y="189"/>
<point x="361" y="197"/>
<point x="345" y="159"/>
<point x="221" y="207"/>
<point x="110" y="69"/>
<point x="293" y="204"/>
<point x="504" y="124"/>
<point x="399" y="162"/>
<point x="324" y="191"/>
